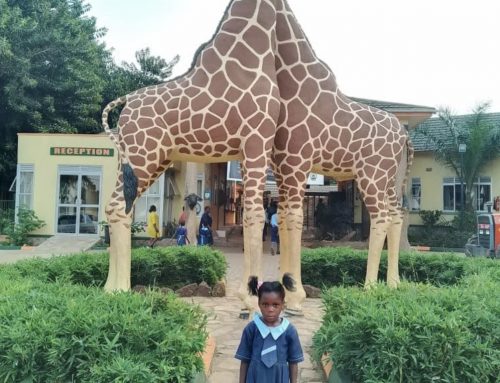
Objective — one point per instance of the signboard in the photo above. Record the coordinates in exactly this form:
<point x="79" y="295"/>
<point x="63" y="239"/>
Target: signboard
<point x="71" y="151"/>
<point x="234" y="174"/>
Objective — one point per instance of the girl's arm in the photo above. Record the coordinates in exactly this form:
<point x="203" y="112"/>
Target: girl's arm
<point x="243" y="372"/>
<point x="294" y="372"/>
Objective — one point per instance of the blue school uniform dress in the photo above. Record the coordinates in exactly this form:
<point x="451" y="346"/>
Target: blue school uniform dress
<point x="181" y="235"/>
<point x="269" y="350"/>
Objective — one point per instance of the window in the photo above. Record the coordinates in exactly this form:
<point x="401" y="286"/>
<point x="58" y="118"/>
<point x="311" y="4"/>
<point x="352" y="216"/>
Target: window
<point x="24" y="187"/>
<point x="482" y="192"/>
<point x="452" y="193"/>
<point x="416" y="193"/>
<point x="152" y="196"/>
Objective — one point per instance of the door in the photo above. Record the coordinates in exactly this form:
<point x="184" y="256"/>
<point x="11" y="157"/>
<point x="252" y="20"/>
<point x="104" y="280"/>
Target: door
<point x="78" y="200"/>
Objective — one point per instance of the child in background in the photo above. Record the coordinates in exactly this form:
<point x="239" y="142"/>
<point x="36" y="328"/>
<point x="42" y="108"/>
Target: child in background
<point x="270" y="348"/>
<point x="181" y="234"/>
<point x="153" y="226"/>
<point x="275" y="235"/>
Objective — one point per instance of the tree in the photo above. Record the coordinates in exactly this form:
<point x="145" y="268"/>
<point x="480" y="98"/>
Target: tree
<point x="128" y="77"/>
<point x="481" y="136"/>
<point x="51" y="72"/>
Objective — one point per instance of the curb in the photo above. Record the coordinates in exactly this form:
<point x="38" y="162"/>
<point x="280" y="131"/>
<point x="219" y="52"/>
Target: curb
<point x="326" y="365"/>
<point x="207" y="356"/>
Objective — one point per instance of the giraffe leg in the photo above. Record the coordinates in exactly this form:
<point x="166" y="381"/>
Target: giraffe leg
<point x="290" y="262"/>
<point x="120" y="245"/>
<point x="393" y="239"/>
<point x="253" y="224"/>
<point x="378" y="232"/>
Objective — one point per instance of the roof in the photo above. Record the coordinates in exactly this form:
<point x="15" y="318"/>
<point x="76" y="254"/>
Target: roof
<point x="395" y="107"/>
<point x="437" y="128"/>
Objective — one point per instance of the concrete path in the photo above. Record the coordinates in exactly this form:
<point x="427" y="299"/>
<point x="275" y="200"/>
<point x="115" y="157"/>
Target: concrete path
<point x="56" y="245"/>
<point x="226" y="327"/>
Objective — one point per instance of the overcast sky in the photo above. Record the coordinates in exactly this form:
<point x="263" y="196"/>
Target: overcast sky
<point x="426" y="52"/>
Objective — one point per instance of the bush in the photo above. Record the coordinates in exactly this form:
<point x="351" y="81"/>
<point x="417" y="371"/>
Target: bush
<point x="430" y="217"/>
<point x="417" y="333"/>
<point x="446" y="237"/>
<point x="6" y="220"/>
<point x="66" y="333"/>
<point x="171" y="267"/>
<point x="337" y="266"/>
<point x="27" y="221"/>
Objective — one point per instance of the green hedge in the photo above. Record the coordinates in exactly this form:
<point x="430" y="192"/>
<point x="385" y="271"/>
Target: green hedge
<point x="337" y="266"/>
<point x="418" y="333"/>
<point x="57" y="332"/>
<point x="170" y="266"/>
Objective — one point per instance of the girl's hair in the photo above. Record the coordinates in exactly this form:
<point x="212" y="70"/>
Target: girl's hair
<point x="152" y="208"/>
<point x="271" y="287"/>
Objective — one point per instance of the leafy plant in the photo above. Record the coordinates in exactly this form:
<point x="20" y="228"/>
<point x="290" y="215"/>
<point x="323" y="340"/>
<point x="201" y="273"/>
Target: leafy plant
<point x="6" y="219"/>
<point x="27" y="222"/>
<point x="417" y="333"/>
<point x="337" y="266"/>
<point x="56" y="332"/>
<point x="171" y="267"/>
<point x="430" y="217"/>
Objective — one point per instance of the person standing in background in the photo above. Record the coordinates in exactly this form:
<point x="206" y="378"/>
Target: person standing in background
<point x="153" y="229"/>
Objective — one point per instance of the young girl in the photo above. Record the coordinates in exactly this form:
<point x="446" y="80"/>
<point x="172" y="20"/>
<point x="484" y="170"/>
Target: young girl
<point x="270" y="348"/>
<point x="153" y="229"/>
<point x="181" y="234"/>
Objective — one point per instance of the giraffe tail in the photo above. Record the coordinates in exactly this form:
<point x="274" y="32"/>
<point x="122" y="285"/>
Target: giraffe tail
<point x="129" y="179"/>
<point x="410" y="153"/>
<point x="105" y="113"/>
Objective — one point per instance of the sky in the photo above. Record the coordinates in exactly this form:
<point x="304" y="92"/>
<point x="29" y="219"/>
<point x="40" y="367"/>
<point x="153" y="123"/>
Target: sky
<point x="437" y="53"/>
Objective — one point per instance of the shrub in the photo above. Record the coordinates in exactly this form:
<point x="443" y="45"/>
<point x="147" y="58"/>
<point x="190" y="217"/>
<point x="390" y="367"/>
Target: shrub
<point x="6" y="220"/>
<point x="27" y="221"/>
<point x="171" y="267"/>
<point x="446" y="237"/>
<point x="430" y="217"/>
<point x="60" y="333"/>
<point x="336" y="266"/>
<point x="417" y="333"/>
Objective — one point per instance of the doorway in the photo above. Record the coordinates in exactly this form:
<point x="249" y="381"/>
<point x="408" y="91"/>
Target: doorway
<point x="78" y="200"/>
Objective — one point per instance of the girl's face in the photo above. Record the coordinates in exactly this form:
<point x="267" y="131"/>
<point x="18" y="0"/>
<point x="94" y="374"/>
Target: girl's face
<point x="271" y="305"/>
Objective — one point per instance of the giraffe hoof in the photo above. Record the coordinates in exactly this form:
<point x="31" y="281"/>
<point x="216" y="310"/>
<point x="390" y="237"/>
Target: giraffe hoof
<point x="294" y="313"/>
<point x="244" y="314"/>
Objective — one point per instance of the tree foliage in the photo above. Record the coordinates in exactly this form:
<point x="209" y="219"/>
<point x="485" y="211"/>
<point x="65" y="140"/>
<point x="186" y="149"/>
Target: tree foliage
<point x="56" y="75"/>
<point x="482" y="138"/>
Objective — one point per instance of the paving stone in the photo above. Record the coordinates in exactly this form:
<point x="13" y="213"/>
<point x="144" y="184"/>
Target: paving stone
<point x="204" y="290"/>
<point x="188" y="290"/>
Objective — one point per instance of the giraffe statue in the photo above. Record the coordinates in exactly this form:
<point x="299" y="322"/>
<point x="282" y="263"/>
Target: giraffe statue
<point x="225" y="107"/>
<point x="323" y="131"/>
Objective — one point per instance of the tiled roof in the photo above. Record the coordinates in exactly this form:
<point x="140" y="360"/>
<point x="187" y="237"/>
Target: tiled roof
<point x="394" y="107"/>
<point x="437" y="128"/>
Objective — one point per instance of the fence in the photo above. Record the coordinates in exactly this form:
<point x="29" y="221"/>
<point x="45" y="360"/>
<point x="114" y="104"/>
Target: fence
<point x="6" y="204"/>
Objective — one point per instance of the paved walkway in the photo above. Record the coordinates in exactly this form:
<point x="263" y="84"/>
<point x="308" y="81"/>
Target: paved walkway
<point x="56" y="245"/>
<point x="226" y="327"/>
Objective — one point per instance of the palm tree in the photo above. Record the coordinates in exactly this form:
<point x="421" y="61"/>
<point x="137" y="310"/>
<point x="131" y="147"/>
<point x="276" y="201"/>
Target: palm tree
<point x="481" y="135"/>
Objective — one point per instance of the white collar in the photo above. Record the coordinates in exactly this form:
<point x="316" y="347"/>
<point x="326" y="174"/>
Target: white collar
<point x="266" y="330"/>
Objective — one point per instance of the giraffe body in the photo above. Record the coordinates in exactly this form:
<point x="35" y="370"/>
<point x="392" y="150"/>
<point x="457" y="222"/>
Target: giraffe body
<point x="224" y="108"/>
<point x="323" y="131"/>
